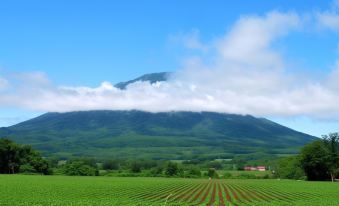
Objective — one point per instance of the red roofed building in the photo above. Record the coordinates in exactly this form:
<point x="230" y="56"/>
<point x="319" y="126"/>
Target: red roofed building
<point x="253" y="168"/>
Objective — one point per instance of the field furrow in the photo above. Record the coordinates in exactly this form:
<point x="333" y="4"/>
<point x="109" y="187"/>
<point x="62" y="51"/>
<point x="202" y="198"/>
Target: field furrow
<point x="29" y="190"/>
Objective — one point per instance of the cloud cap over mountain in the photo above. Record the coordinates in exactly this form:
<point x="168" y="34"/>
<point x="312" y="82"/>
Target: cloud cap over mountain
<point x="240" y="72"/>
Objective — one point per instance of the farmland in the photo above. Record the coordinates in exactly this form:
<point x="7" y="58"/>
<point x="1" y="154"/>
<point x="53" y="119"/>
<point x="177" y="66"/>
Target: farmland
<point x="63" y="190"/>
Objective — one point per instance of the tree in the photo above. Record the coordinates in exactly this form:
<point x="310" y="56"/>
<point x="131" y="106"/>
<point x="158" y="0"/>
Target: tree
<point x="38" y="163"/>
<point x="135" y="167"/>
<point x="27" y="168"/>
<point x="212" y="173"/>
<point x="215" y="164"/>
<point x="331" y="141"/>
<point x="148" y="164"/>
<point x="16" y="158"/>
<point x="172" y="169"/>
<point x="9" y="157"/>
<point x="314" y="159"/>
<point x="111" y="165"/>
<point x="194" y="171"/>
<point x="290" y="168"/>
<point x="156" y="171"/>
<point x="320" y="159"/>
<point x="80" y="167"/>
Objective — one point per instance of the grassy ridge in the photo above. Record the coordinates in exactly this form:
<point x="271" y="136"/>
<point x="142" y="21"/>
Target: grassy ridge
<point x="61" y="190"/>
<point x="168" y="135"/>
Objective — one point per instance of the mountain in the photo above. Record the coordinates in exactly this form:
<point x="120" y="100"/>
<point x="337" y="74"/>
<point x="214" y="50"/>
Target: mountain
<point x="165" y="135"/>
<point x="152" y="78"/>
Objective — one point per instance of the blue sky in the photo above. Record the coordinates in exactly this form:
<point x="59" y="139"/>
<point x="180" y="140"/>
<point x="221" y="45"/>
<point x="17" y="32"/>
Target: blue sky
<point x="83" y="43"/>
<point x="126" y="39"/>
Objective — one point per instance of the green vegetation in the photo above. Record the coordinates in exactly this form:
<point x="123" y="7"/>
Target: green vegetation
<point x="239" y="174"/>
<point x="318" y="160"/>
<point x="16" y="158"/>
<point x="63" y="190"/>
<point x="80" y="167"/>
<point x="172" y="169"/>
<point x="290" y="168"/>
<point x="144" y="135"/>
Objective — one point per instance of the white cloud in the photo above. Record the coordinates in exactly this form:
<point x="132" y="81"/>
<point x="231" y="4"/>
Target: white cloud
<point x="328" y="19"/>
<point x="250" y="39"/>
<point x="190" y="40"/>
<point x="32" y="78"/>
<point x="3" y="83"/>
<point x="333" y="77"/>
<point x="240" y="73"/>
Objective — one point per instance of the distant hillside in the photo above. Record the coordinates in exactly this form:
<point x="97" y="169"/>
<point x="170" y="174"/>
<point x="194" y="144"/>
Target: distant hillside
<point x="152" y="78"/>
<point x="167" y="135"/>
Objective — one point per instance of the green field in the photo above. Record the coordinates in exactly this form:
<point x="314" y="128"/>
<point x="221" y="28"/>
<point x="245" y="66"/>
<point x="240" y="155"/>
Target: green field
<point x="63" y="190"/>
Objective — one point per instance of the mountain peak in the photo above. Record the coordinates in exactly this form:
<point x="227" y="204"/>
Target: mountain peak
<point x="152" y="78"/>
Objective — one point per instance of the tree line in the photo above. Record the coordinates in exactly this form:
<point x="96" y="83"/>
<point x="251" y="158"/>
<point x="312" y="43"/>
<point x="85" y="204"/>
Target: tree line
<point x="317" y="161"/>
<point x="15" y="158"/>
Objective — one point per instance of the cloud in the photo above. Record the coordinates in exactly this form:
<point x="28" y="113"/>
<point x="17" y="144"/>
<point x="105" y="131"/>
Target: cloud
<point x="329" y="19"/>
<point x="3" y="83"/>
<point x="333" y="77"/>
<point x="250" y="39"/>
<point x="32" y="78"/>
<point x="241" y="72"/>
<point x="190" y="40"/>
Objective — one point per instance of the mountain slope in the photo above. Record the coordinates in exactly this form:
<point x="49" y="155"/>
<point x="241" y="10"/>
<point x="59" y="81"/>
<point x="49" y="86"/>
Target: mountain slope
<point x="152" y="78"/>
<point x="168" y="135"/>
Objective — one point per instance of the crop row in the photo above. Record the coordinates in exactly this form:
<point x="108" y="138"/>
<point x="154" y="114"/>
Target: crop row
<point x="213" y="192"/>
<point x="22" y="190"/>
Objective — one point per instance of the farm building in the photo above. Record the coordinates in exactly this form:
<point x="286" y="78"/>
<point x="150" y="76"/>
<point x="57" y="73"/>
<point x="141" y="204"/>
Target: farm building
<point x="250" y="168"/>
<point x="254" y="168"/>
